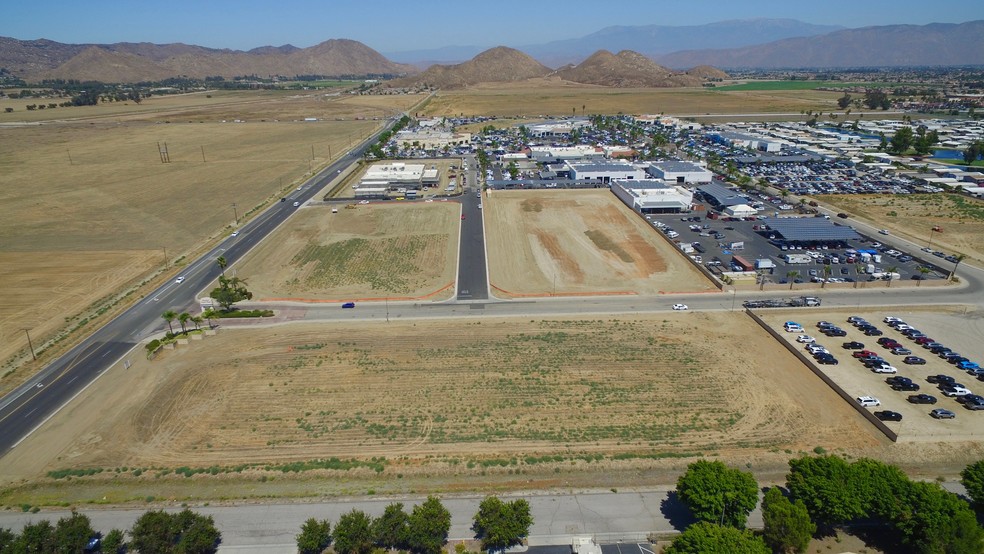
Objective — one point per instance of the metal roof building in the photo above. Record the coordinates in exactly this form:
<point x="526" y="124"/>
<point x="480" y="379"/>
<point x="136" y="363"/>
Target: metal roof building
<point x="809" y="230"/>
<point x="720" y="196"/>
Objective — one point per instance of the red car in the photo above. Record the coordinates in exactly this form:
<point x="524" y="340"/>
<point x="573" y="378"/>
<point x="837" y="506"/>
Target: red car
<point x="462" y="216"/>
<point x="865" y="354"/>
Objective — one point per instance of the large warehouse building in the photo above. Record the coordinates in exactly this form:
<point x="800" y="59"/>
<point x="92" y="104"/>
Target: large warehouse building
<point x="393" y="174"/>
<point x="653" y="197"/>
<point x="680" y="172"/>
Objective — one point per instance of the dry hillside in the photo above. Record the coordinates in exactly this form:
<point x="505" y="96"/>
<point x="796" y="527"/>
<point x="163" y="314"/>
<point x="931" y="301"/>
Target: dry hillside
<point x="500" y="64"/>
<point x="627" y="69"/>
<point x="133" y="62"/>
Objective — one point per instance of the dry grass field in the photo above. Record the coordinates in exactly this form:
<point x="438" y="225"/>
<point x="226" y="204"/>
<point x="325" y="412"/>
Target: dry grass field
<point x="90" y="208"/>
<point x="370" y="251"/>
<point x="461" y="397"/>
<point x="913" y="216"/>
<point x="578" y="242"/>
<point x="545" y="97"/>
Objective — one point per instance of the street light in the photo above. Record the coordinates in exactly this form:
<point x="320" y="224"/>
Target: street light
<point x="931" y="231"/>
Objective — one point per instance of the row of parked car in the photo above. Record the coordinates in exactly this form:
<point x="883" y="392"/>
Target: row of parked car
<point x="947" y="385"/>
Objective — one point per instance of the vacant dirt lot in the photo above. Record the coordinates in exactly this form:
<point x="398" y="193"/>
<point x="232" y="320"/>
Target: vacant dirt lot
<point x="951" y="326"/>
<point x="913" y="216"/>
<point x="550" y="97"/>
<point x="90" y="208"/>
<point x="429" y="396"/>
<point x="578" y="242"/>
<point x="379" y="250"/>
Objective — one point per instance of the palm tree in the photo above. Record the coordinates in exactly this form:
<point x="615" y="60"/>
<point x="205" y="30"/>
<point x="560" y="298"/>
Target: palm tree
<point x="197" y="320"/>
<point x="169" y="316"/>
<point x="183" y="319"/>
<point x="890" y="272"/>
<point x="960" y="258"/>
<point x="923" y="270"/>
<point x="209" y="314"/>
<point x="222" y="264"/>
<point x="792" y="275"/>
<point x="826" y="275"/>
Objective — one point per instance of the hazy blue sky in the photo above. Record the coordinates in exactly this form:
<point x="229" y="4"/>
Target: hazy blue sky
<point x="397" y="25"/>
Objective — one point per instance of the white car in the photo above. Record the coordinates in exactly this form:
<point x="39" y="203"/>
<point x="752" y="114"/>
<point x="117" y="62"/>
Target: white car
<point x="234" y="234"/>
<point x="806" y="339"/>
<point x="882" y="231"/>
<point x="296" y="204"/>
<point x="363" y="202"/>
<point x="956" y="391"/>
<point x="884" y="369"/>
<point x="680" y="307"/>
<point x="868" y="401"/>
<point x="179" y="280"/>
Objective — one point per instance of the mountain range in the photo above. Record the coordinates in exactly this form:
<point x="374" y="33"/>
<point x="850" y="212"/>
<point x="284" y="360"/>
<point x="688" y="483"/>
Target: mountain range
<point x="727" y="44"/>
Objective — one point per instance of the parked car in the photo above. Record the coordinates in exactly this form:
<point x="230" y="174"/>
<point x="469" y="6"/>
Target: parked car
<point x="914" y="360"/>
<point x="941" y="379"/>
<point x="888" y="415"/>
<point x="901" y="351"/>
<point x="853" y="345"/>
<point x="907" y="387"/>
<point x="922" y="399"/>
<point x="868" y="401"/>
<point x="955" y="390"/>
<point x="805" y="339"/>
<point x="940" y="413"/>
<point x="873" y="332"/>
<point x="884" y="369"/>
<point x="968" y="366"/>
<point x="835" y="332"/>
<point x="886" y="340"/>
<point x="827" y="360"/>
<point x="865" y="354"/>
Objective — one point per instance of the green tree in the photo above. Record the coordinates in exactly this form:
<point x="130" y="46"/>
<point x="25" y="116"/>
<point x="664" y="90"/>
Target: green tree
<point x="973" y="152"/>
<point x="844" y="101"/>
<point x="183" y="320"/>
<point x="198" y="534"/>
<point x="73" y="532"/>
<point x="230" y="291"/>
<point x="390" y="529"/>
<point x="185" y="532"/>
<point x="169" y="316"/>
<point x="901" y="140"/>
<point x="960" y="258"/>
<point x="428" y="526"/>
<point x="788" y="527"/>
<point x="513" y="170"/>
<point x="972" y="478"/>
<point x="36" y="537"/>
<point x="315" y="536"/>
<point x="792" y="276"/>
<point x="932" y="520"/>
<point x="197" y="320"/>
<point x="210" y="314"/>
<point x="7" y="540"/>
<point x="716" y="493"/>
<point x="824" y="484"/>
<point x="222" y="263"/>
<point x="500" y="525"/>
<point x="114" y="542"/>
<point x="353" y="533"/>
<point x="708" y="538"/>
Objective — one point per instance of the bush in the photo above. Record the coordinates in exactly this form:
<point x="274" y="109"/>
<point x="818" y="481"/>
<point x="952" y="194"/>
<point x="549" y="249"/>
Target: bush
<point x="246" y="313"/>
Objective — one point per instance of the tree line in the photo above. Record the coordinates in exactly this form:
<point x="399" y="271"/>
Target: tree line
<point x="823" y="493"/>
<point x="424" y="530"/>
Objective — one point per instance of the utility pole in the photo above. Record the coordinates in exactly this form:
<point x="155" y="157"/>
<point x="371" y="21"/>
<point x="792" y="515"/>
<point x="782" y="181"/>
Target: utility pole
<point x="312" y="151"/>
<point x="235" y="212"/>
<point x="70" y="157"/>
<point x="203" y="154"/>
<point x="165" y="256"/>
<point x="329" y="152"/>
<point x="33" y="355"/>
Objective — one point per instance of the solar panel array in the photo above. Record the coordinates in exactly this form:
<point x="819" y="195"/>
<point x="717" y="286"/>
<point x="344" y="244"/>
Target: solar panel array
<point x="810" y="229"/>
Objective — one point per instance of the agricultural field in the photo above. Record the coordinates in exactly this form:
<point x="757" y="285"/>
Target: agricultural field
<point x="913" y="216"/>
<point x="804" y="85"/>
<point x="380" y="250"/>
<point x="540" y="98"/>
<point x="90" y="209"/>
<point x="578" y="242"/>
<point x="450" y="403"/>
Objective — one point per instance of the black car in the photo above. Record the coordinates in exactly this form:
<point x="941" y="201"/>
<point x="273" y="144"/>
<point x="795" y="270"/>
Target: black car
<point x="897" y="379"/>
<point x="874" y="362"/>
<point x="855" y="319"/>
<point x="888" y="415"/>
<point x="949" y="355"/>
<point x="922" y="399"/>
<point x="941" y="379"/>
<point x="908" y="387"/>
<point x="914" y="360"/>
<point x="842" y="215"/>
<point x="853" y="345"/>
<point x="884" y="340"/>
<point x="957" y="359"/>
<point x="874" y="332"/>
<point x="972" y="398"/>
<point x="827" y="360"/>
<point x="835" y="332"/>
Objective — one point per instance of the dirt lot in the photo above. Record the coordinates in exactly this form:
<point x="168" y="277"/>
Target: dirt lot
<point x="90" y="208"/>
<point x="913" y="216"/>
<point x="952" y="326"/>
<point x="578" y="242"/>
<point x="439" y="396"/>
<point x="394" y="249"/>
<point x="551" y="97"/>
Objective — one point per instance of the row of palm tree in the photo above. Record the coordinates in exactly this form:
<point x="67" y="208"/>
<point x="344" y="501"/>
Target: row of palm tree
<point x="184" y="318"/>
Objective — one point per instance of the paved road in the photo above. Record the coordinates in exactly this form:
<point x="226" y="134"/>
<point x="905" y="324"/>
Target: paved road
<point x="27" y="407"/>
<point x="473" y="282"/>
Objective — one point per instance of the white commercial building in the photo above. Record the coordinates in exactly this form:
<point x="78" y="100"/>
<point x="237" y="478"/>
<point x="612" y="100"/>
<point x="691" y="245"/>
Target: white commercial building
<point x="553" y="154"/>
<point x="428" y="139"/>
<point x="605" y="172"/>
<point x="648" y="196"/>
<point x="393" y="174"/>
<point x="680" y="172"/>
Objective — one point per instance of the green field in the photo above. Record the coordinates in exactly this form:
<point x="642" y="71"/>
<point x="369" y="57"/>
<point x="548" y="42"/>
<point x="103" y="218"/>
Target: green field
<point x="804" y="85"/>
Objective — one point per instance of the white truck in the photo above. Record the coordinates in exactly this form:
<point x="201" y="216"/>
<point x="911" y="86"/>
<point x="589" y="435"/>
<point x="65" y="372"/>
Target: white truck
<point x="764" y="263"/>
<point x="797" y="258"/>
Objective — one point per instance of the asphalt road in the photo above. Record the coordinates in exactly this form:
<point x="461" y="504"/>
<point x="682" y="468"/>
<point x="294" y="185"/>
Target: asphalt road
<point x="28" y="406"/>
<point x="473" y="282"/>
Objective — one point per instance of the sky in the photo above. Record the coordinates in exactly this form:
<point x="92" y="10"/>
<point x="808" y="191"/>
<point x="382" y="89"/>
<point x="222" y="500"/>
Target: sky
<point x="401" y="25"/>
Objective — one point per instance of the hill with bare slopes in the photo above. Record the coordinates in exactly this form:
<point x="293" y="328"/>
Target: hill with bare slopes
<point x="627" y="69"/>
<point x="500" y="64"/>
<point x="132" y="62"/>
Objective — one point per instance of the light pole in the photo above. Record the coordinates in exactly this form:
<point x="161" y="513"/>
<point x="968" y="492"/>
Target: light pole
<point x="734" y="296"/>
<point x="235" y="212"/>
<point x="931" y="231"/>
<point x="29" y="344"/>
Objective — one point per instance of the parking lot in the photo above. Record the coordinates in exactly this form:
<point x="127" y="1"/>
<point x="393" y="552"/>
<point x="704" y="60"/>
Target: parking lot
<point x="851" y="374"/>
<point x="719" y="240"/>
